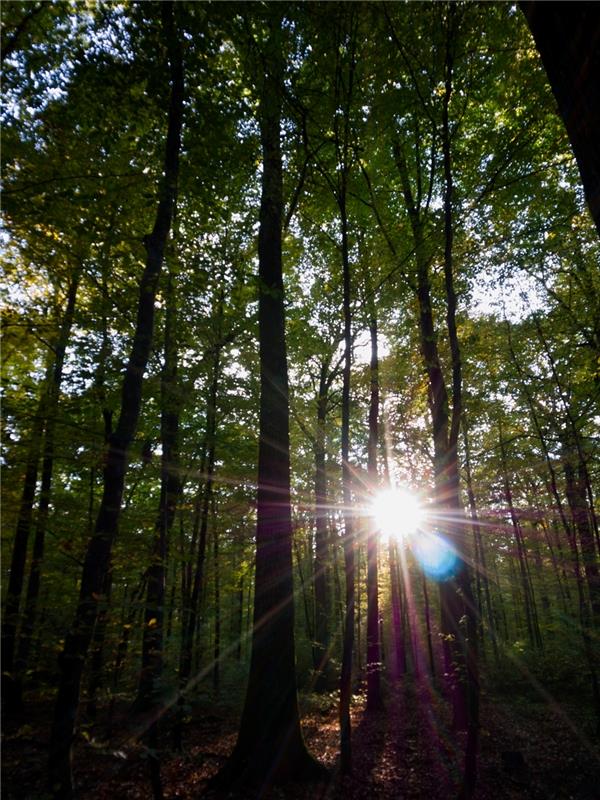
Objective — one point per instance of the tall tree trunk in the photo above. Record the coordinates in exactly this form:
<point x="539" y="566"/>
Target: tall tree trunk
<point x="322" y="566"/>
<point x="459" y="624"/>
<point x="586" y="625"/>
<point x="18" y="559"/>
<point x="570" y="50"/>
<point x="576" y="498"/>
<point x="374" y="701"/>
<point x="348" y="541"/>
<point x="481" y="557"/>
<point x="526" y="587"/>
<point x="196" y="584"/>
<point x="149" y="689"/>
<point x="427" y="612"/>
<point x="97" y="556"/>
<point x="47" y="413"/>
<point x="270" y="748"/>
<point x="216" y="672"/>
<point x="398" y="627"/>
<point x="97" y="656"/>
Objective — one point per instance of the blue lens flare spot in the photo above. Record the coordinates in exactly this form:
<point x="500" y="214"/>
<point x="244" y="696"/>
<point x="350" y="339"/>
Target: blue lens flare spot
<point x="437" y="557"/>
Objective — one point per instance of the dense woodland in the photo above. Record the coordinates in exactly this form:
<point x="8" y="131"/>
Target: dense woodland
<point x="301" y="421"/>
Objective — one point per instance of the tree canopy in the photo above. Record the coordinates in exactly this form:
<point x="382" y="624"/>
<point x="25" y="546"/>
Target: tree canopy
<point x="263" y="263"/>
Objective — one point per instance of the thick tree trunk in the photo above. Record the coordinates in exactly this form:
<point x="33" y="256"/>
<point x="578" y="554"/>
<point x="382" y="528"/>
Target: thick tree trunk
<point x="270" y="748"/>
<point x="98" y="553"/>
<point x="567" y="37"/>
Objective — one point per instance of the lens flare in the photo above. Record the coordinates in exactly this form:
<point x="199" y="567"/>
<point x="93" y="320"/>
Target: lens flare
<point x="397" y="513"/>
<point x="437" y="557"/>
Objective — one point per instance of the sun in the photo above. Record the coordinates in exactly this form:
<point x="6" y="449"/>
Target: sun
<point x="397" y="513"/>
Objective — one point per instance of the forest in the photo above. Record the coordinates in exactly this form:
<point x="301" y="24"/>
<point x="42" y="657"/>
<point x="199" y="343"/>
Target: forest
<point x="300" y="400"/>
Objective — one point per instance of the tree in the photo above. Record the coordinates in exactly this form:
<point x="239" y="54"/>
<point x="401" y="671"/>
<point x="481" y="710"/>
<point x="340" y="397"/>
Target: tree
<point x="567" y="39"/>
<point x="270" y="748"/>
<point x="99" y="549"/>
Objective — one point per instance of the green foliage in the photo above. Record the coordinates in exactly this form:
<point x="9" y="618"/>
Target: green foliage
<point x="83" y="136"/>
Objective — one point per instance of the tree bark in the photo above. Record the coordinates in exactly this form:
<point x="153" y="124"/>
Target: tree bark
<point x="567" y="37"/>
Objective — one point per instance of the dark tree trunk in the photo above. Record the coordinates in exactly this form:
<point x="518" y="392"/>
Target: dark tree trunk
<point x="374" y="661"/>
<point x="270" y="748"/>
<point x="42" y="438"/>
<point x="149" y="690"/>
<point x="428" y="631"/>
<point x="97" y="656"/>
<point x="195" y="587"/>
<point x="18" y="560"/>
<point x="576" y="498"/>
<point x="35" y="571"/>
<point x="349" y="543"/>
<point x="527" y="589"/>
<point x="481" y="564"/>
<point x="97" y="557"/>
<point x="398" y="627"/>
<point x="458" y="617"/>
<point x="216" y="674"/>
<point x="567" y="36"/>
<point x="322" y="567"/>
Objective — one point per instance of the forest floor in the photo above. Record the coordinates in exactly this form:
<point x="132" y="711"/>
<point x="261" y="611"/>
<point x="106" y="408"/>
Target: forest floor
<point x="534" y="750"/>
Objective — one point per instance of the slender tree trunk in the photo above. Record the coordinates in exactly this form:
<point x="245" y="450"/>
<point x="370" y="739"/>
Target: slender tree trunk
<point x="348" y="541"/>
<point x="527" y="589"/>
<point x="216" y="673"/>
<point x="374" y="661"/>
<point x="193" y="597"/>
<point x="482" y="561"/>
<point x="306" y="600"/>
<point x="128" y="622"/>
<point x="98" y="553"/>
<point x="576" y="498"/>
<point x="428" y="626"/>
<point x="398" y="628"/>
<point x="47" y="416"/>
<point x="19" y="553"/>
<point x="322" y="567"/>
<point x="96" y="660"/>
<point x="149" y="688"/>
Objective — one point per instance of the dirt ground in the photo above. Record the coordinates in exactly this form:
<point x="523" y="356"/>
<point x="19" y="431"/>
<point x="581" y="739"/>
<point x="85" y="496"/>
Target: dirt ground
<point x="537" y="751"/>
